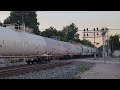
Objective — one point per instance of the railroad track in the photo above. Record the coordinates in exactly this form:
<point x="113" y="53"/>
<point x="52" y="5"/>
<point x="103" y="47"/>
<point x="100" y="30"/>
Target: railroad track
<point x="29" y="68"/>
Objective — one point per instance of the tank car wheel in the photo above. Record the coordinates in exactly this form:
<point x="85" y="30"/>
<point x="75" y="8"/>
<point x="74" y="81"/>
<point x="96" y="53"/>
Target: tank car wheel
<point x="40" y="61"/>
<point x="45" y="61"/>
<point x="28" y="62"/>
<point x="48" y="60"/>
<point x="32" y="62"/>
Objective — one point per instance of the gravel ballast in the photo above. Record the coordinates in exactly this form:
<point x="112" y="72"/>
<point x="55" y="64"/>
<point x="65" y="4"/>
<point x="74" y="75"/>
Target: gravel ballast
<point x="65" y="72"/>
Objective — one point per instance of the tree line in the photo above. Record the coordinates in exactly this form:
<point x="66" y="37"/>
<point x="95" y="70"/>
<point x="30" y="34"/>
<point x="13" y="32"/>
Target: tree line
<point x="114" y="43"/>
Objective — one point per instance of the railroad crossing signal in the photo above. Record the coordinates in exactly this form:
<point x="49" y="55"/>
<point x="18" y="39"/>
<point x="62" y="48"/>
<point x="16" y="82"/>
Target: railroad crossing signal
<point x="95" y="33"/>
<point x="90" y="33"/>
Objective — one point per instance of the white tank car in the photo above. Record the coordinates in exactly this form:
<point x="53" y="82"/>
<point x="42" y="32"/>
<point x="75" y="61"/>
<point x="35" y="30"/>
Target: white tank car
<point x="67" y="48"/>
<point x="89" y="51"/>
<point x="60" y="48"/>
<point x="74" y="50"/>
<point x="85" y="50"/>
<point x="55" y="47"/>
<point x="18" y="43"/>
<point x="78" y="50"/>
<point x="92" y="50"/>
<point x="14" y="43"/>
<point x="71" y="49"/>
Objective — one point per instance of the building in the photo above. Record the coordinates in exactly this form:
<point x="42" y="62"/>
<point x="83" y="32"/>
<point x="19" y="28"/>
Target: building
<point x="18" y="27"/>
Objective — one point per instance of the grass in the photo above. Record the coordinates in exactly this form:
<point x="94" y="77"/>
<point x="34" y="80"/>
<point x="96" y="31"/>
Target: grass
<point x="77" y="77"/>
<point x="84" y="68"/>
<point x="14" y="61"/>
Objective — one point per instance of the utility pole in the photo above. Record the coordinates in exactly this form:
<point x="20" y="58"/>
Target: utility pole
<point x="104" y="31"/>
<point x="94" y="45"/>
<point x="108" y="44"/>
<point x="103" y="49"/>
<point x="23" y="24"/>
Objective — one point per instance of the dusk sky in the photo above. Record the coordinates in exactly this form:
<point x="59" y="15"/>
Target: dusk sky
<point x="82" y="19"/>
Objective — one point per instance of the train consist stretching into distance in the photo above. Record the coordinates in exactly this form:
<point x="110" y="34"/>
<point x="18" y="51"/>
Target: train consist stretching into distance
<point x="34" y="48"/>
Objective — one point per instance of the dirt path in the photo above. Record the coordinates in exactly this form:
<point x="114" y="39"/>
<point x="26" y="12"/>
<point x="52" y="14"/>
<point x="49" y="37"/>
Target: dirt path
<point x="110" y="70"/>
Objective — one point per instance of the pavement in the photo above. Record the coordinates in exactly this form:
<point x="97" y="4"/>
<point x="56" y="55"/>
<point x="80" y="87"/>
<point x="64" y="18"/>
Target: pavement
<point x="110" y="70"/>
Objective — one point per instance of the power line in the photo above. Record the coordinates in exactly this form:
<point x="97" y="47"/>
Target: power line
<point x="64" y="11"/>
<point x="114" y="29"/>
<point x="89" y="30"/>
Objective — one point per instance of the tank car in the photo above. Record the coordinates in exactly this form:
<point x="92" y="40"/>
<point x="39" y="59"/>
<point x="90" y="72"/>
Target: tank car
<point x="55" y="48"/>
<point x="20" y="44"/>
<point x="37" y="48"/>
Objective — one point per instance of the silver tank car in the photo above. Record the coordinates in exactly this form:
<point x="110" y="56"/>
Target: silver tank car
<point x="14" y="43"/>
<point x="18" y="43"/>
<point x="55" y="47"/>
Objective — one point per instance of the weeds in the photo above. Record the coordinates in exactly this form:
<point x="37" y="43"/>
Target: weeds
<point x="84" y="68"/>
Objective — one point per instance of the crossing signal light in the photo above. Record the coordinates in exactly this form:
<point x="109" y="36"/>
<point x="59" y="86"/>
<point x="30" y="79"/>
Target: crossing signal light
<point x="84" y="30"/>
<point x="97" y="28"/>
<point x="84" y="34"/>
<point x="94" y="29"/>
<point x="87" y="29"/>
<point x="102" y="29"/>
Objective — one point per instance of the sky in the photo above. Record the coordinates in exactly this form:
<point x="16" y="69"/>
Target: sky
<point x="82" y="19"/>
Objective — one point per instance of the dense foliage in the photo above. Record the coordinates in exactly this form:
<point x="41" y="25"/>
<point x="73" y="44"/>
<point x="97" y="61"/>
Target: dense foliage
<point x="114" y="42"/>
<point x="68" y="34"/>
<point x="29" y="18"/>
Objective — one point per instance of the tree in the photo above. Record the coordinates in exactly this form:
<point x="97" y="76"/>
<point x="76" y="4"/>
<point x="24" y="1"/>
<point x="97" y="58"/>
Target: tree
<point x="70" y="32"/>
<point x="7" y="20"/>
<point x="50" y="32"/>
<point x="29" y="18"/>
<point x="114" y="42"/>
<point x="0" y="23"/>
<point x="61" y="35"/>
<point x="100" y="50"/>
<point x="87" y="42"/>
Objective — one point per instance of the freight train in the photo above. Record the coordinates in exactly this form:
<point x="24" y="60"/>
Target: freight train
<point x="34" y="48"/>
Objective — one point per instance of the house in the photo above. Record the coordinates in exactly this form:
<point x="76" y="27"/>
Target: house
<point x="18" y="27"/>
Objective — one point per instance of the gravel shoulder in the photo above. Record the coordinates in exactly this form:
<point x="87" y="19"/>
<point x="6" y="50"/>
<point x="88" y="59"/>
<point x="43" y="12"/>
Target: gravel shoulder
<point x="65" y="72"/>
<point x="80" y="69"/>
